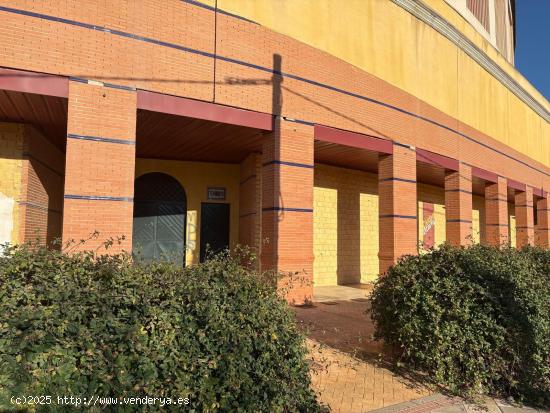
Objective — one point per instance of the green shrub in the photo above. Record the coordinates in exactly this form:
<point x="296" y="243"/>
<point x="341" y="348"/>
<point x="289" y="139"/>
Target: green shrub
<point x="477" y="319"/>
<point x="99" y="326"/>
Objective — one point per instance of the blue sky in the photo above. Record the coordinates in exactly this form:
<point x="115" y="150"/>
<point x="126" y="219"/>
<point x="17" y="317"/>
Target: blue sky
<point x="533" y="42"/>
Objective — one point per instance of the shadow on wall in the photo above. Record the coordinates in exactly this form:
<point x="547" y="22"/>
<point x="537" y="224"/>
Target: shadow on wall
<point x="45" y="178"/>
<point x="44" y="205"/>
<point x="271" y="151"/>
<point x="11" y="144"/>
<point x="346" y="226"/>
<point x="31" y="188"/>
<point x="349" y="236"/>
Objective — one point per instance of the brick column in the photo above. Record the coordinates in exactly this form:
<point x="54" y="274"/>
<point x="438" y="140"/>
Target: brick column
<point x="41" y="201"/>
<point x="496" y="212"/>
<point x="525" y="230"/>
<point x="397" y="206"/>
<point x="543" y="222"/>
<point x="250" y="203"/>
<point x="100" y="159"/>
<point x="458" y="205"/>
<point x="287" y="208"/>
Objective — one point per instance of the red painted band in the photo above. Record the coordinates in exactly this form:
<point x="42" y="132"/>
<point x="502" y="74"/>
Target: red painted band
<point x="484" y="174"/>
<point x="31" y="82"/>
<point x="425" y="156"/>
<point x="353" y="139"/>
<point x="516" y="185"/>
<point x="158" y="102"/>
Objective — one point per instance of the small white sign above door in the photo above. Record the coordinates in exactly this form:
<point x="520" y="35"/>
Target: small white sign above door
<point x="216" y="193"/>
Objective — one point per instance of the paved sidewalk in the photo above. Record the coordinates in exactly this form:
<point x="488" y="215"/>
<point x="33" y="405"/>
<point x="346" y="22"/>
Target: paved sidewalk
<point x="349" y="385"/>
<point x="341" y="292"/>
<point x="437" y="403"/>
<point x="348" y="371"/>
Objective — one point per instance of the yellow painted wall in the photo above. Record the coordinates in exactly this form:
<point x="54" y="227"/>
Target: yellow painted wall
<point x="383" y="39"/>
<point x="446" y="11"/>
<point x="478" y="218"/>
<point x="196" y="177"/>
<point x="11" y="167"/>
<point x="436" y="196"/>
<point x="437" y="221"/>
<point x="345" y="226"/>
<point x="512" y="224"/>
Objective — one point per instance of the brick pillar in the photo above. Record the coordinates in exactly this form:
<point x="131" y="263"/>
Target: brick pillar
<point x="525" y="230"/>
<point x="496" y="212"/>
<point x="543" y="222"/>
<point x="250" y="203"/>
<point x="41" y="201"/>
<point x="458" y="205"/>
<point x="100" y="159"/>
<point x="397" y="206"/>
<point x="287" y="208"/>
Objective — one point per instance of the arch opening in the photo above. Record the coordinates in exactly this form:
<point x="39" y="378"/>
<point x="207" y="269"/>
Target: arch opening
<point x="159" y="220"/>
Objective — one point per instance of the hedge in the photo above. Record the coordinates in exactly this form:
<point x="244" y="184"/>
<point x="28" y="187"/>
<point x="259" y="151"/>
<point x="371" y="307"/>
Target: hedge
<point x="477" y="319"/>
<point x="84" y="325"/>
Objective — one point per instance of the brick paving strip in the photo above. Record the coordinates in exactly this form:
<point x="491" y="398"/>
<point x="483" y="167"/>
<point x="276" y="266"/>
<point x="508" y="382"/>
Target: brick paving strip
<point x="351" y="385"/>
<point x="348" y="373"/>
<point x="346" y="370"/>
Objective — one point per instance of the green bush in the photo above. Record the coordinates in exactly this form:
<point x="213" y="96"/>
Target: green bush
<point x="477" y="319"/>
<point x="99" y="326"/>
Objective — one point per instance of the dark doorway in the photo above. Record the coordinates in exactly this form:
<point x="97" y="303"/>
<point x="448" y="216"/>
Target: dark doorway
<point x="214" y="228"/>
<point x="160" y="210"/>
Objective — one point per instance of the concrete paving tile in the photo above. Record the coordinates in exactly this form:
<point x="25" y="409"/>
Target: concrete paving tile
<point x="511" y="409"/>
<point x="455" y="408"/>
<point x="489" y="406"/>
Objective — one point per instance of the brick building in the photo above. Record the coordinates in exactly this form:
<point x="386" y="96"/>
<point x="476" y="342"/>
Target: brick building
<point x="331" y="137"/>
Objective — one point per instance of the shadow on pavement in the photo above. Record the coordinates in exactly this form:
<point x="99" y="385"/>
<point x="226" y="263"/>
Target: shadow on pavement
<point x="342" y="325"/>
<point x="345" y="326"/>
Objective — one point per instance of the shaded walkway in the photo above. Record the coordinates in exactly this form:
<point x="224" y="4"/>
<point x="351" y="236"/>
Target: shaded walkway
<point x="347" y="370"/>
<point x="341" y="292"/>
<point x="351" y="385"/>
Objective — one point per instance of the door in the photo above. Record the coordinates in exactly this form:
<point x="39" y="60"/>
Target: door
<point x="214" y="228"/>
<point x="160" y="210"/>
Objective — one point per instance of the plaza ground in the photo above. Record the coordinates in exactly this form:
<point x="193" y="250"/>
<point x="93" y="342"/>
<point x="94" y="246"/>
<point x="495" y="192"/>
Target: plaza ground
<point x="352" y="374"/>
